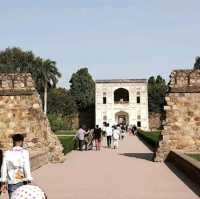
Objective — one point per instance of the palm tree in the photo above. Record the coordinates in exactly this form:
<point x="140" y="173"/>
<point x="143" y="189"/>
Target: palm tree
<point x="48" y="76"/>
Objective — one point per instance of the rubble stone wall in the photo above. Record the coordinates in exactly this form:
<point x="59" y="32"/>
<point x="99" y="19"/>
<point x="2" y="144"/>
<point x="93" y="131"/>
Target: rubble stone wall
<point x="182" y="126"/>
<point x="21" y="112"/>
<point x="154" y="121"/>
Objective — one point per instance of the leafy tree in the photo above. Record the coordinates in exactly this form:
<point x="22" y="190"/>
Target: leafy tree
<point x="44" y="72"/>
<point x="83" y="89"/>
<point x="197" y="63"/>
<point x="157" y="89"/>
<point x="19" y="60"/>
<point x="61" y="102"/>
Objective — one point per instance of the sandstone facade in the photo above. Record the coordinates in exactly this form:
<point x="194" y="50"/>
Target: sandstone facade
<point x="21" y="112"/>
<point x="182" y="126"/>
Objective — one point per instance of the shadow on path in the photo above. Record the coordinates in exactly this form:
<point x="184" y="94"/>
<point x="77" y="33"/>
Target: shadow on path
<point x="144" y="156"/>
<point x="193" y="186"/>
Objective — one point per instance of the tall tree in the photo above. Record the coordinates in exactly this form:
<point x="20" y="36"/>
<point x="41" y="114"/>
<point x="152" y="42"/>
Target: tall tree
<point x="48" y="75"/>
<point x="197" y="63"/>
<point x="157" y="89"/>
<point x="83" y="89"/>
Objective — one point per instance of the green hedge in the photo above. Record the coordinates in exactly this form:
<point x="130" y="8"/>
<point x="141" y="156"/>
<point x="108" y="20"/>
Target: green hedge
<point x="195" y="156"/>
<point x="151" y="138"/>
<point x="67" y="142"/>
<point x="65" y="132"/>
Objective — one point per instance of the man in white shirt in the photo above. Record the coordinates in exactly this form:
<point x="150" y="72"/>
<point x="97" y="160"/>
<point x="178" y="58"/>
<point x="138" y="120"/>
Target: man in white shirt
<point x="15" y="170"/>
<point x="81" y="135"/>
<point x="109" y="133"/>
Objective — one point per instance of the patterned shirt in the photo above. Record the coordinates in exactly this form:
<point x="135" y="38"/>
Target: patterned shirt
<point x="16" y="166"/>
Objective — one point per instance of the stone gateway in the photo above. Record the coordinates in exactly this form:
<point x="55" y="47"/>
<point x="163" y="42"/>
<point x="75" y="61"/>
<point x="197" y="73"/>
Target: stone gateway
<point x="122" y="101"/>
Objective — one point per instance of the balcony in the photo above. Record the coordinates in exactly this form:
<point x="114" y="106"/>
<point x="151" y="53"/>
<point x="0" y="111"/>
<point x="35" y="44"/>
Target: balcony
<point x="121" y="102"/>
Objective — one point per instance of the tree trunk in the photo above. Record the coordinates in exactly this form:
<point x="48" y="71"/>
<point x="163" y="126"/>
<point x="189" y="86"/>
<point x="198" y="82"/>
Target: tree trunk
<point x="45" y="98"/>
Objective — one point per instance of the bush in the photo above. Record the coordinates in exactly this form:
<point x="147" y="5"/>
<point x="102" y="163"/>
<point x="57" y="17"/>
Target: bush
<point x="151" y="138"/>
<point x="67" y="142"/>
<point x="195" y="156"/>
<point x="57" y="123"/>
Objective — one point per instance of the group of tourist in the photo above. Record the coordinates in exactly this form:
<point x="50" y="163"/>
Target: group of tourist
<point x="86" y="139"/>
<point x="16" y="173"/>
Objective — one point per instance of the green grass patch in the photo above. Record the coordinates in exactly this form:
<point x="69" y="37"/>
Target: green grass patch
<point x="67" y="142"/>
<point x="150" y="137"/>
<point x="195" y="156"/>
<point x="65" y="132"/>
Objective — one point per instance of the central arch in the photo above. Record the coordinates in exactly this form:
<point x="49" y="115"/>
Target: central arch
<point x="121" y="95"/>
<point x="121" y="117"/>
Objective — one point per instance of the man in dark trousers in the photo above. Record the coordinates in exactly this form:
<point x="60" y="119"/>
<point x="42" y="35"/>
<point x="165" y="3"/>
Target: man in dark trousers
<point x="109" y="133"/>
<point x="134" y="130"/>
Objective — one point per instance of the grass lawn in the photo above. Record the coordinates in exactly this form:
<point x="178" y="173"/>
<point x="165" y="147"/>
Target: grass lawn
<point x="65" y="132"/>
<point x="195" y="156"/>
<point x="67" y="142"/>
<point x="150" y="137"/>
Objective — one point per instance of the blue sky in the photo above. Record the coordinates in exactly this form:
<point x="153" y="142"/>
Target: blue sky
<point x="113" y="38"/>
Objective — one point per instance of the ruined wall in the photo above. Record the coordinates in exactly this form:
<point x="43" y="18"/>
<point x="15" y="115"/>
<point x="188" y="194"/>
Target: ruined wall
<point x="154" y="121"/>
<point x="21" y="112"/>
<point x="182" y="126"/>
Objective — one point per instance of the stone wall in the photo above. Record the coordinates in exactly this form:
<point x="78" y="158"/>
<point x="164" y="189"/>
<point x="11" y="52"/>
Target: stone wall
<point x="38" y="159"/>
<point x="21" y="112"/>
<point x="154" y="121"/>
<point x="182" y="126"/>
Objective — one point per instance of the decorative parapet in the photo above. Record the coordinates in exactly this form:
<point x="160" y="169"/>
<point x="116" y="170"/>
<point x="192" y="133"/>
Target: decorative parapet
<point x="184" y="81"/>
<point x="16" y="84"/>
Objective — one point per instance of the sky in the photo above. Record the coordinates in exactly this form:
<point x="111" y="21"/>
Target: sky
<point x="113" y="38"/>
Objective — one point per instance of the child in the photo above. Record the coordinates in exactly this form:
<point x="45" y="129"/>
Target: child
<point x="116" y="135"/>
<point x="29" y="191"/>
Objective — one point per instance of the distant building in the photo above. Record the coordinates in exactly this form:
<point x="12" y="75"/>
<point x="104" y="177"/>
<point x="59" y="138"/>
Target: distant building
<point x="122" y="101"/>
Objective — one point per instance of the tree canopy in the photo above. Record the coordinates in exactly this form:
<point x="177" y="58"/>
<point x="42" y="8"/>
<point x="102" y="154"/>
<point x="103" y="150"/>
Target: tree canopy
<point x="83" y="89"/>
<point x="16" y="60"/>
<point x="157" y="89"/>
<point x="197" y="63"/>
<point x="61" y="102"/>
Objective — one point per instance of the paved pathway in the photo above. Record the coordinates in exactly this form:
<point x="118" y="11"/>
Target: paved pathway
<point x="109" y="174"/>
<point x="126" y="173"/>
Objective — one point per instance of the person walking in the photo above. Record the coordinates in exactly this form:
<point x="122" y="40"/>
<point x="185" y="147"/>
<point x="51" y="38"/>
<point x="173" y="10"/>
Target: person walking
<point x="80" y="135"/>
<point x="86" y="139"/>
<point x="134" y="129"/>
<point x="123" y="131"/>
<point x="109" y="133"/>
<point x="116" y="136"/>
<point x="104" y="129"/>
<point x="15" y="170"/>
<point x="97" y="137"/>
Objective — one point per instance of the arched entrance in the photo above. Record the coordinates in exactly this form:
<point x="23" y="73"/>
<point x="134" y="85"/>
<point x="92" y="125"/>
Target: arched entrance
<point x="122" y="117"/>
